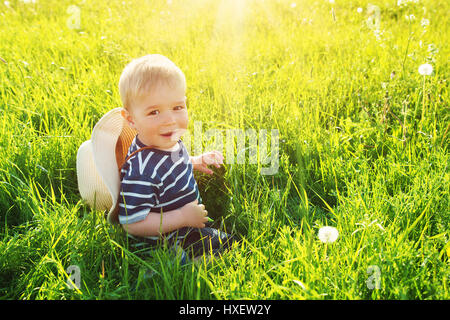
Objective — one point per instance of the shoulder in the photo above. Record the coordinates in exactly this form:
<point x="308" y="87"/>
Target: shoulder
<point x="142" y="167"/>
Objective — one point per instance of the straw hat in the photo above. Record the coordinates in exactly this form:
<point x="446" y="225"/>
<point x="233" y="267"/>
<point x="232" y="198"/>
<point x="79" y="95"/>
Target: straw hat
<point x="99" y="161"/>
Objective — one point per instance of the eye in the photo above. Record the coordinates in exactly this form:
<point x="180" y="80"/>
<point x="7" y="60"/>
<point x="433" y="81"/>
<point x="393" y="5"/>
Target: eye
<point x="179" y="107"/>
<point x="153" y="113"/>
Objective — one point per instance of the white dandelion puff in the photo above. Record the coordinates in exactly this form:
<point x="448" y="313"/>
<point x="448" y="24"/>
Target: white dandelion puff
<point x="328" y="234"/>
<point x="359" y="10"/>
<point x="424" y="22"/>
<point x="426" y="69"/>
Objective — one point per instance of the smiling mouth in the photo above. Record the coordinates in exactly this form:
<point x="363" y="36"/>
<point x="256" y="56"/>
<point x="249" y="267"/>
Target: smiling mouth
<point x="169" y="134"/>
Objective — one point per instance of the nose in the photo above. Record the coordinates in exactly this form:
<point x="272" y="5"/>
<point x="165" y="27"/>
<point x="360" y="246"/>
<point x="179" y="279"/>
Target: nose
<point x="169" y="118"/>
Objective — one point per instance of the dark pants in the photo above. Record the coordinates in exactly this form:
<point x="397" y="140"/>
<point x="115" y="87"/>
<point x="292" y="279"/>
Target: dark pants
<point x="194" y="241"/>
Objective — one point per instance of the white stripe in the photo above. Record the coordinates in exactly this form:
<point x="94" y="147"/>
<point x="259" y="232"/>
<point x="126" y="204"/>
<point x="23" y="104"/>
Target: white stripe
<point x="143" y="165"/>
<point x="171" y="169"/>
<point x="175" y="182"/>
<point x="143" y="183"/>
<point x="137" y="195"/>
<point x="130" y="207"/>
<point x="130" y="151"/>
<point x="158" y="165"/>
<point x="131" y="169"/>
<point x="125" y="219"/>
<point x="174" y="200"/>
<point x="187" y="184"/>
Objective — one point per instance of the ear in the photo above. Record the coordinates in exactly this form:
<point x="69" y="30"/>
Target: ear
<point x="128" y="117"/>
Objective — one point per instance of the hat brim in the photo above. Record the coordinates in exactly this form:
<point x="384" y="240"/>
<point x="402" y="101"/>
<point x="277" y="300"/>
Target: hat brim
<point x="111" y="138"/>
<point x="90" y="185"/>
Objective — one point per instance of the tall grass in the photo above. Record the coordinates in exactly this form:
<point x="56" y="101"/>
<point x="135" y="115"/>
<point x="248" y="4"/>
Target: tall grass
<point x="363" y="147"/>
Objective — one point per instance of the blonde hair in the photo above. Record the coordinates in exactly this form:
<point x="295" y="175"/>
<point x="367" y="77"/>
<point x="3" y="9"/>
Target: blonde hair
<point x="141" y="75"/>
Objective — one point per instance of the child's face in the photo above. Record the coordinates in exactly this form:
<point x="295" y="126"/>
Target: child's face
<point x="160" y="117"/>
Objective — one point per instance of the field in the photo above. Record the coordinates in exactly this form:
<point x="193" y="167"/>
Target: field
<point x="363" y="146"/>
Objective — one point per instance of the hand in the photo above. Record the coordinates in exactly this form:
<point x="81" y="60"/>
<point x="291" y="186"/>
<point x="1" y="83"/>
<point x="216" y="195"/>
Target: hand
<point x="194" y="214"/>
<point x="202" y="162"/>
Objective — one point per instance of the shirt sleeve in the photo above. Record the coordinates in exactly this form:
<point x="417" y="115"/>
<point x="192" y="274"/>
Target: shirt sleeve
<point x="136" y="199"/>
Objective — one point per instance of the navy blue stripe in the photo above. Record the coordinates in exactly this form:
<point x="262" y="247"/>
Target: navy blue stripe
<point x="169" y="188"/>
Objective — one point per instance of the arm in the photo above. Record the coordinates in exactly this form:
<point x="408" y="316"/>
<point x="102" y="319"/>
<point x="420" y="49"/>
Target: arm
<point x="190" y="215"/>
<point x="152" y="226"/>
<point x="201" y="162"/>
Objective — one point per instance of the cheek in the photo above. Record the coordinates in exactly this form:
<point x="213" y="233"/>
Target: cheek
<point x="184" y="120"/>
<point x="146" y="126"/>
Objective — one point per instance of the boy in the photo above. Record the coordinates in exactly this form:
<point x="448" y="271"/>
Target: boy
<point x="159" y="196"/>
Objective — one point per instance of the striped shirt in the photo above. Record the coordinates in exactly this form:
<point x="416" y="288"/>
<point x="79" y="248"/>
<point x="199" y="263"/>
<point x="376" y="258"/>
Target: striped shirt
<point x="153" y="180"/>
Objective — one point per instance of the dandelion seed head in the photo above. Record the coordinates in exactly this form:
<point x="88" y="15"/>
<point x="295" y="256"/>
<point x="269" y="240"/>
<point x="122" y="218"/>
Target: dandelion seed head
<point x="424" y="22"/>
<point x="328" y="234"/>
<point x="426" y="69"/>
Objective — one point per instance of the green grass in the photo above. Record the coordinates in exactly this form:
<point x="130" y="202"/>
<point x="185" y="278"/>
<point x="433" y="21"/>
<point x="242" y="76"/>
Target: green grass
<point x="361" y="149"/>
